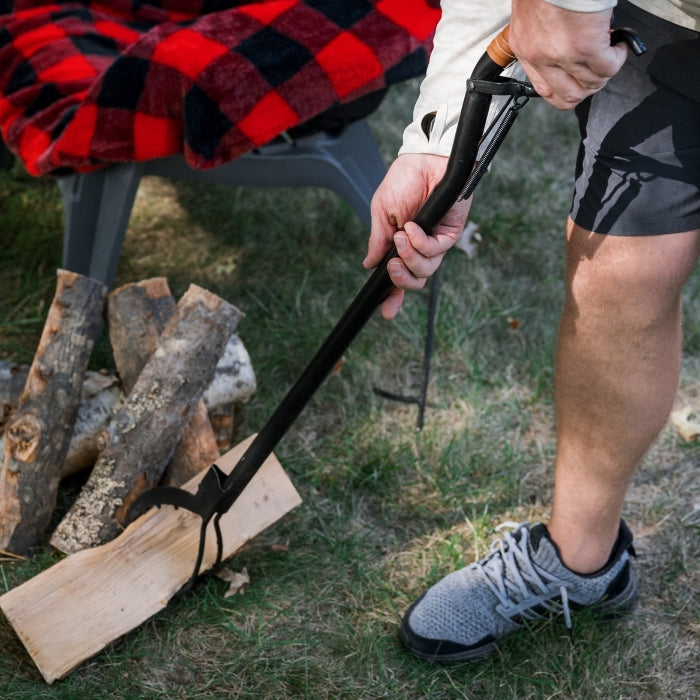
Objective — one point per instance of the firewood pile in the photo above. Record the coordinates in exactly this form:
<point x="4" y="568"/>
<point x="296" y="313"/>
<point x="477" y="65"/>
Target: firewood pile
<point x="165" y="414"/>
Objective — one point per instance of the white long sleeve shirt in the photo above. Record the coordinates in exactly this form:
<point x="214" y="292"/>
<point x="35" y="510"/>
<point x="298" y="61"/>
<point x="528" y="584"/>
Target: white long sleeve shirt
<point x="686" y="13"/>
<point x="463" y="32"/>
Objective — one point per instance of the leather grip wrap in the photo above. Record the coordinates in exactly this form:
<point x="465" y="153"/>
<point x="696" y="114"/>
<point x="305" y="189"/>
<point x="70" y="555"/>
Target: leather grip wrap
<point x="499" y="49"/>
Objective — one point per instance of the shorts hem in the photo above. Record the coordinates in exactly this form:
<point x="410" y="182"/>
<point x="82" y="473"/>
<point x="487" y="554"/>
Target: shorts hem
<point x="656" y="228"/>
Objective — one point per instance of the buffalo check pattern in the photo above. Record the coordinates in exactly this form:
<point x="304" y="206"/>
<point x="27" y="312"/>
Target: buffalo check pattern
<point x="86" y="84"/>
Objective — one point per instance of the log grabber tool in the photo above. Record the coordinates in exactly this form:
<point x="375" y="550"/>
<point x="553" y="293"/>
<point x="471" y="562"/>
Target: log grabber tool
<point x="217" y="491"/>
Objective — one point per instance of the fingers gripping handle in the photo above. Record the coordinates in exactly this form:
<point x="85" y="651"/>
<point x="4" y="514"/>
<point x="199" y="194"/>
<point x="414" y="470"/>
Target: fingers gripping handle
<point x="502" y="55"/>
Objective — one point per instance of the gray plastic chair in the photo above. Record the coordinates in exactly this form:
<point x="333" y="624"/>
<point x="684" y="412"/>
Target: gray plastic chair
<point x="97" y="205"/>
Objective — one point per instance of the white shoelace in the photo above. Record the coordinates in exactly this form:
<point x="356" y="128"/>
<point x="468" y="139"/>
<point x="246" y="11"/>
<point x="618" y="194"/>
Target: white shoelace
<point x="518" y="584"/>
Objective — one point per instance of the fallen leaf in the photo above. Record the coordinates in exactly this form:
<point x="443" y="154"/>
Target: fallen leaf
<point x="470" y="240"/>
<point x="237" y="580"/>
<point x="687" y="422"/>
<point x="226" y="266"/>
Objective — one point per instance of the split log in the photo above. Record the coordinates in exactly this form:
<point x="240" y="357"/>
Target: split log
<point x="136" y="316"/>
<point x="197" y="449"/>
<point x="145" y="431"/>
<point x="37" y="434"/>
<point x="73" y="610"/>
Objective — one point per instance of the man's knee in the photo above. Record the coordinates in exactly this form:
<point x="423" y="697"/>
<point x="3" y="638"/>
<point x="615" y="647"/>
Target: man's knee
<point x="638" y="275"/>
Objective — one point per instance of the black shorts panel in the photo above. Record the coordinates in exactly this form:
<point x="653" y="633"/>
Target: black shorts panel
<point x="638" y="167"/>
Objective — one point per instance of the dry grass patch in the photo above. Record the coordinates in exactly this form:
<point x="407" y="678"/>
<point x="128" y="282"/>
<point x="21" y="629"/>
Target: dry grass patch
<point x="163" y="240"/>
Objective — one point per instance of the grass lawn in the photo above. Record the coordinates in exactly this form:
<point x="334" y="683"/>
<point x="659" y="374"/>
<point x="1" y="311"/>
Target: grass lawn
<point x="387" y="510"/>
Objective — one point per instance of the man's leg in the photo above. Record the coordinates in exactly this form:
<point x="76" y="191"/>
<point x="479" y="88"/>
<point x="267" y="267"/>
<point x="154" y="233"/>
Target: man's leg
<point x="618" y="360"/>
<point x="617" y="371"/>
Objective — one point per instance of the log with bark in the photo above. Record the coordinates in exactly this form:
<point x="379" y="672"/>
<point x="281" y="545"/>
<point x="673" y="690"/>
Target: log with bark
<point x="145" y="431"/>
<point x="98" y="401"/>
<point x="137" y="314"/>
<point x="37" y="434"/>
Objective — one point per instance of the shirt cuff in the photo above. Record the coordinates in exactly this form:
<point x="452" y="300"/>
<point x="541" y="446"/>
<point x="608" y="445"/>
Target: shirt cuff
<point x="583" y="5"/>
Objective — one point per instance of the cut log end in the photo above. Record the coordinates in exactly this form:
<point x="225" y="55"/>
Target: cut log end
<point x="23" y="435"/>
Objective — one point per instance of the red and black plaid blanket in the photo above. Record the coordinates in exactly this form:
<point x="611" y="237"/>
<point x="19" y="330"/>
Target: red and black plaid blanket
<point x="84" y="84"/>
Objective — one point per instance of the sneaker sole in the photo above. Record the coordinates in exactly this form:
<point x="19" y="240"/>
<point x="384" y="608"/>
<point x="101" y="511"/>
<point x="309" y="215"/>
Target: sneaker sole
<point x="439" y="657"/>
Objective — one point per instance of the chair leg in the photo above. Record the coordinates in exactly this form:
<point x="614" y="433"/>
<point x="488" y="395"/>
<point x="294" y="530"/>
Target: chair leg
<point x="97" y="209"/>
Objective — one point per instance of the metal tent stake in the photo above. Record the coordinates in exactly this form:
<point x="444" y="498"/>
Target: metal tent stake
<point x="520" y="93"/>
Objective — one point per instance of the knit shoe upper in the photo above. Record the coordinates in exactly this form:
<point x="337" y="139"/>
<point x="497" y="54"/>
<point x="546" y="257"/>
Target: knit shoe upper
<point x="522" y="578"/>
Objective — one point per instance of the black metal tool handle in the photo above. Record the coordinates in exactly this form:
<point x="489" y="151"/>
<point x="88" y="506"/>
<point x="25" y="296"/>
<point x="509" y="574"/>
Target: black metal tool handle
<point x="630" y="37"/>
<point x="374" y="291"/>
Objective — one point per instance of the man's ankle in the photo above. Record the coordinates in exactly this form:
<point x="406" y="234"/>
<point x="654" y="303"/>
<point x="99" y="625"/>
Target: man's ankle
<point x="582" y="550"/>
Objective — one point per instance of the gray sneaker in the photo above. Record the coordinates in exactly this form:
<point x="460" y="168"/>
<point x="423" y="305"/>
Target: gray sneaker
<point x="461" y="617"/>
